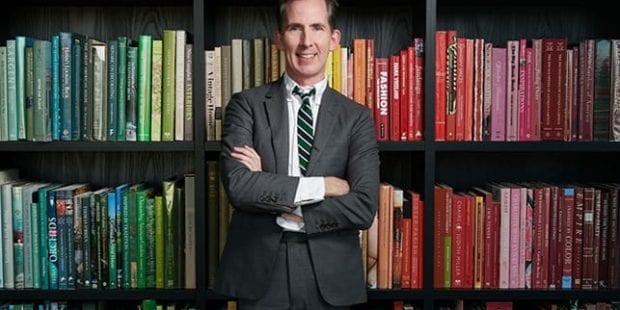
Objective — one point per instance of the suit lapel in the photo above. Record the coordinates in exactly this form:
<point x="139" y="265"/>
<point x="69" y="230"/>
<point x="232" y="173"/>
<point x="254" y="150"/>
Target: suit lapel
<point x="324" y="127"/>
<point x="277" y="116"/>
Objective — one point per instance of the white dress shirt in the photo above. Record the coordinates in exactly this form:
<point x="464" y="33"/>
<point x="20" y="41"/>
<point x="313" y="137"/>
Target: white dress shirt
<point x="310" y="189"/>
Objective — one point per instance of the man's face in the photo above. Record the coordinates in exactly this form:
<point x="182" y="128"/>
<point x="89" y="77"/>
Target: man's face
<point x="306" y="39"/>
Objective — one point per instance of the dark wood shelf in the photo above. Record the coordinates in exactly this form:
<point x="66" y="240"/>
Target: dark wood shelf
<point x="85" y="294"/>
<point x="78" y="146"/>
<point x="527" y="295"/>
<point x="538" y="146"/>
<point x="401" y="146"/>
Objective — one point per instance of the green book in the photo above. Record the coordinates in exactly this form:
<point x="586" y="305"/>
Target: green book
<point x="141" y="201"/>
<point x="131" y="104"/>
<point x="170" y="234"/>
<point x="131" y="238"/>
<point x="156" y="84"/>
<point x="148" y="304"/>
<point x="145" y="46"/>
<point x="111" y="213"/>
<point x="168" y="86"/>
<point x="121" y="81"/>
<point x="112" y="87"/>
<point x="160" y="245"/>
<point x="150" y="242"/>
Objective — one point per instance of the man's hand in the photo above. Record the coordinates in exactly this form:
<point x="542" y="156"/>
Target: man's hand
<point x="336" y="187"/>
<point x="248" y="157"/>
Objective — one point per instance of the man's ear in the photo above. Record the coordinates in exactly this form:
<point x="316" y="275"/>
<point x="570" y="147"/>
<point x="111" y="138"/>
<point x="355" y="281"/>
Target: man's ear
<point x="335" y="39"/>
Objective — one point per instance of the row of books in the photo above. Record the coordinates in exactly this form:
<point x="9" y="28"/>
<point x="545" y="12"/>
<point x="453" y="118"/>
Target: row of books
<point x="391" y="87"/>
<point x="508" y="305"/>
<point x="74" y="87"/>
<point x="394" y="242"/>
<point x="527" y="235"/>
<point x="147" y="304"/>
<point x="72" y="236"/>
<point x="526" y="90"/>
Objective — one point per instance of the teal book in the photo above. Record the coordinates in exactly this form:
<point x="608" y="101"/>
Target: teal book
<point x="21" y="43"/>
<point x="120" y="191"/>
<point x="145" y="47"/>
<point x="29" y="93"/>
<point x="111" y="213"/>
<point x="44" y="233"/>
<point x="121" y="81"/>
<point x="131" y="104"/>
<point x="32" y="265"/>
<point x="4" y="102"/>
<point x="42" y="123"/>
<point x="77" y="94"/>
<point x="55" y="92"/>
<point x="11" y="80"/>
<point x="65" y="74"/>
<point x="18" y="235"/>
<point x="112" y="87"/>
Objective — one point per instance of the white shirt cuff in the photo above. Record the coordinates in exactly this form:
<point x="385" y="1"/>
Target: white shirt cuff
<point x="310" y="190"/>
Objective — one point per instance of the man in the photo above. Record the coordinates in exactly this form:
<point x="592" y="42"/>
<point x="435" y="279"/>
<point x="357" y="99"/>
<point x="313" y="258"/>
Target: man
<point x="300" y="165"/>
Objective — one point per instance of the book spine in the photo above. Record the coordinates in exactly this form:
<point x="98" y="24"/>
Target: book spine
<point x="18" y="236"/>
<point x="112" y="80"/>
<point x="150" y="242"/>
<point x="112" y="258"/>
<point x="168" y="59"/>
<point x="4" y="103"/>
<point x="156" y="91"/>
<point x="77" y="91"/>
<point x="121" y="81"/>
<point x="159" y="242"/>
<point x="145" y="56"/>
<point x="131" y="102"/>
<point x="11" y="66"/>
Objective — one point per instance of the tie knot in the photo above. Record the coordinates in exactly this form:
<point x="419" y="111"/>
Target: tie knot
<point x="303" y="95"/>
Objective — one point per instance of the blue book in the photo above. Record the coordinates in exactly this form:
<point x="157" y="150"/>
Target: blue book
<point x="55" y="104"/>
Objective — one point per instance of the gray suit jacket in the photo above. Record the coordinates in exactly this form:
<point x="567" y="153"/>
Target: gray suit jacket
<point x="344" y="146"/>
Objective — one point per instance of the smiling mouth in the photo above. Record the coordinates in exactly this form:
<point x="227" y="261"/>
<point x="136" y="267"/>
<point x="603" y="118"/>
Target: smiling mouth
<point x="306" y="55"/>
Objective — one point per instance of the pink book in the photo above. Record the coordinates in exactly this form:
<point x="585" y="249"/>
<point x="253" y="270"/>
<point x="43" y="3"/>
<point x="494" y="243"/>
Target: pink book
<point x="529" y="237"/>
<point x="503" y="195"/>
<point x="536" y="93"/>
<point x="512" y="90"/>
<point x="514" y="238"/>
<point x="498" y="105"/>
<point x="525" y="88"/>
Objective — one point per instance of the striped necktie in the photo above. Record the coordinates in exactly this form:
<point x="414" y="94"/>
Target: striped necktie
<point x="305" y="135"/>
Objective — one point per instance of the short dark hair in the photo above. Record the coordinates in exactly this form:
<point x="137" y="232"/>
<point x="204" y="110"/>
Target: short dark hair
<point x="332" y="5"/>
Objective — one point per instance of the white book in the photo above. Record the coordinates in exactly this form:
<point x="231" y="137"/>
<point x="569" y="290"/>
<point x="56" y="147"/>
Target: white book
<point x="209" y="92"/>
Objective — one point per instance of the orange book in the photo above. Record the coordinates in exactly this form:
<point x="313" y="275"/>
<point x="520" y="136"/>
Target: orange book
<point x="386" y="207"/>
<point x="359" y="71"/>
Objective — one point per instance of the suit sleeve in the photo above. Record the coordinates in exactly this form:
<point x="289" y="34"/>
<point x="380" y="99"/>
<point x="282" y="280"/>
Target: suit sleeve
<point x="249" y="191"/>
<point x="355" y="210"/>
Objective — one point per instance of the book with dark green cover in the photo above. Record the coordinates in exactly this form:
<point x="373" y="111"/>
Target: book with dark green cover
<point x="160" y="245"/>
<point x="168" y="90"/>
<point x="84" y="202"/>
<point x="130" y="238"/>
<point x="42" y="86"/>
<point x="170" y="234"/>
<point x="145" y="46"/>
<point x="85" y="90"/>
<point x="112" y="87"/>
<point x="122" y="88"/>
<point x="102" y="228"/>
<point x="121" y="191"/>
<point x="43" y="236"/>
<point x="150" y="242"/>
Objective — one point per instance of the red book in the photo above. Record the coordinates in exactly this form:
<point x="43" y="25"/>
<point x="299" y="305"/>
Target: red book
<point x="587" y="281"/>
<point x="417" y="240"/>
<point x="461" y="89"/>
<point x="587" y="60"/>
<point x="394" y="67"/>
<point x="404" y="95"/>
<point x="440" y="85"/>
<point x="554" y="91"/>
<point x="578" y="237"/>
<point x="451" y="81"/>
<point x="468" y="109"/>
<point x="490" y="222"/>
<point x="459" y="234"/>
<point x="382" y="93"/>
<point x="468" y="279"/>
<point x="478" y="89"/>
<point x="418" y="89"/>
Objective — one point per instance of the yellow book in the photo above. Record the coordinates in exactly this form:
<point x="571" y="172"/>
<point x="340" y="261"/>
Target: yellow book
<point x="336" y="69"/>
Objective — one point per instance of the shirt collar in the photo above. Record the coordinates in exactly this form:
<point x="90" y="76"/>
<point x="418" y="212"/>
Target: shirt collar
<point x="320" y="87"/>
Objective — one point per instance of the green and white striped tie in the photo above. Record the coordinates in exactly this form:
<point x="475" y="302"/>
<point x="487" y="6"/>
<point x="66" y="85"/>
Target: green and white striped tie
<point x="305" y="135"/>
